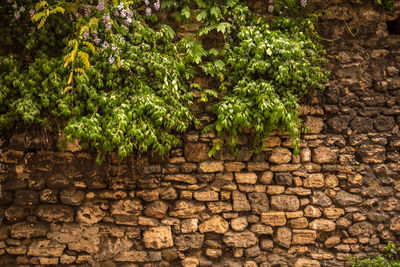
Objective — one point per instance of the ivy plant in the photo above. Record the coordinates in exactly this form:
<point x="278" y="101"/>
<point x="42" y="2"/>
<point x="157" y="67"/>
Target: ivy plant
<point x="115" y="75"/>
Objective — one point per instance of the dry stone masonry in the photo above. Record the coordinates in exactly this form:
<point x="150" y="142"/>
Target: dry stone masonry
<point x="339" y="197"/>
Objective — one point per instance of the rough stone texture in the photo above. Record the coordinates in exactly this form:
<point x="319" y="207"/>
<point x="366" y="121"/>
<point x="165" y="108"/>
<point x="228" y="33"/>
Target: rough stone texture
<point x="283" y="237"/>
<point x="314" y="180"/>
<point x="216" y="224"/>
<point x="46" y="248"/>
<point x="243" y="239"/>
<point x="338" y="198"/>
<point x="285" y="203"/>
<point x="280" y="156"/>
<point x="56" y="213"/>
<point x="158" y="237"/>
<point x="325" y="154"/>
<point x="274" y="218"/>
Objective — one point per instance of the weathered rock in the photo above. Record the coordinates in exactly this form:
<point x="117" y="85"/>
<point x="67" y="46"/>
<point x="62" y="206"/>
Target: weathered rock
<point x="192" y="241"/>
<point x="17" y="213"/>
<point x="72" y="197"/>
<point x="56" y="213"/>
<point x="216" y="224"/>
<point x="321" y="199"/>
<point x="332" y="241"/>
<point x="234" y="166"/>
<point x="324" y="154"/>
<point x="347" y="199"/>
<point x="211" y="166"/>
<point x="315" y="124"/>
<point x="303" y="262"/>
<point x="280" y="155"/>
<point x="303" y="237"/>
<point x="157" y="209"/>
<point x="49" y="196"/>
<point x="331" y="181"/>
<point x="246" y="177"/>
<point x="261" y="229"/>
<point x="136" y="256"/>
<point x="92" y="212"/>
<point x="196" y="152"/>
<point x="46" y="248"/>
<point x="323" y="225"/>
<point x="240" y="202"/>
<point x="259" y="202"/>
<point x="301" y="222"/>
<point x="206" y="194"/>
<point x="239" y="224"/>
<point x="395" y="224"/>
<point x="190" y="262"/>
<point x="243" y="239"/>
<point x="219" y="206"/>
<point x="285" y="202"/>
<point x="266" y="177"/>
<point x="283" y="178"/>
<point x="158" y="237"/>
<point x="28" y="230"/>
<point x="79" y="237"/>
<point x="184" y="178"/>
<point x="186" y="209"/>
<point x="384" y="123"/>
<point x="283" y="237"/>
<point x="314" y="180"/>
<point x="371" y="153"/>
<point x="273" y="218"/>
<point x="189" y="226"/>
<point x="361" y="229"/>
<point x="333" y="213"/>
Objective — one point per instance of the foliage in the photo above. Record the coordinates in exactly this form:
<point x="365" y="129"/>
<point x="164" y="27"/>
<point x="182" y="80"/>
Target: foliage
<point x="268" y="67"/>
<point x="390" y="259"/>
<point x="115" y="75"/>
<point x="387" y="4"/>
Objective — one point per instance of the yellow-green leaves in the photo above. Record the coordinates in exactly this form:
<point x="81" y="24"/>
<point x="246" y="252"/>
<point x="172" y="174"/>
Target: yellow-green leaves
<point x="42" y="15"/>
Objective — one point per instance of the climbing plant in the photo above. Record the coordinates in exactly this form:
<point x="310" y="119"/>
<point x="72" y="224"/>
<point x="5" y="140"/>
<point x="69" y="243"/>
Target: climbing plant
<point x="115" y="75"/>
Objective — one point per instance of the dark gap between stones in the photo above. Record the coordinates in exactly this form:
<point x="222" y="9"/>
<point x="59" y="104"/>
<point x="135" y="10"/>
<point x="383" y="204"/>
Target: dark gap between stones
<point x="393" y="27"/>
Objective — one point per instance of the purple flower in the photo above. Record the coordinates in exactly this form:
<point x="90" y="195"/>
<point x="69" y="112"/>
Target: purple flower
<point x="108" y="26"/>
<point x="15" y="5"/>
<point x="22" y="9"/>
<point x="120" y="6"/>
<point x="270" y="1"/>
<point x="85" y="35"/>
<point x="105" y="45"/>
<point x="148" y="11"/>
<point x="113" y="47"/>
<point x="16" y="15"/>
<point x="87" y="11"/>
<point x="116" y="13"/>
<point x="111" y="60"/>
<point x="100" y="5"/>
<point x="9" y="1"/>
<point x="304" y="3"/>
<point x="128" y="21"/>
<point x="97" y="40"/>
<point x="146" y="2"/>
<point x="31" y="12"/>
<point x="123" y="13"/>
<point x="157" y="5"/>
<point x="106" y="18"/>
<point x="130" y="13"/>
<point x="121" y="62"/>
<point x="270" y="8"/>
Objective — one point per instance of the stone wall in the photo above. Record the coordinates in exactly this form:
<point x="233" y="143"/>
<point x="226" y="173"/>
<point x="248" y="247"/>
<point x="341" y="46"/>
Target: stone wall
<point x="338" y="198"/>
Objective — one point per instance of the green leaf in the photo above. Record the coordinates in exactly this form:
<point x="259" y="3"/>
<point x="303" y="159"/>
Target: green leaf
<point x="186" y="12"/>
<point x="202" y="15"/>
